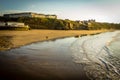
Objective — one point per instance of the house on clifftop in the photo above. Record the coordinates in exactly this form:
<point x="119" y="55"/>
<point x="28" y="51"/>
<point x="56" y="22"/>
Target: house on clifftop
<point x="29" y="14"/>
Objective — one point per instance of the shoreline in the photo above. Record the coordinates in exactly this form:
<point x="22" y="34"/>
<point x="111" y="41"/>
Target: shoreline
<point x="20" y="38"/>
<point x="91" y="52"/>
<point x="46" y="61"/>
<point x="55" y="60"/>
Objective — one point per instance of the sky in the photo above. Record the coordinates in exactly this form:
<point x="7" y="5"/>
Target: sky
<point x="100" y="10"/>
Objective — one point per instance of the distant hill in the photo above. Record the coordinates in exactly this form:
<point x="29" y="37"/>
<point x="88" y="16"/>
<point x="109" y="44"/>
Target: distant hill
<point x="59" y="24"/>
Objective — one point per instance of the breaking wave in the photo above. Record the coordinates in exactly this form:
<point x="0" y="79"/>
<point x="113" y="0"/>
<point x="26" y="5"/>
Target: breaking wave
<point x="94" y="53"/>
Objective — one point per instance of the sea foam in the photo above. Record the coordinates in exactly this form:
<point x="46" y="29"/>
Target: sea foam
<point x="93" y="51"/>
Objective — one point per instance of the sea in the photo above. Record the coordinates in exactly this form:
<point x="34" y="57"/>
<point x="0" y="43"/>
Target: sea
<point x="100" y="54"/>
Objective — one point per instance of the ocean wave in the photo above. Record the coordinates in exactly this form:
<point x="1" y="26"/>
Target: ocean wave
<point x="93" y="51"/>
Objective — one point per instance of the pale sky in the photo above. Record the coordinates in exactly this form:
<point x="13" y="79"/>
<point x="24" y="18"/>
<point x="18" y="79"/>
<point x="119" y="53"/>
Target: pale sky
<point x="100" y="10"/>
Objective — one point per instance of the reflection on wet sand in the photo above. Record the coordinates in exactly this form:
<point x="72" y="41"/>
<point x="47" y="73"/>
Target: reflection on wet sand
<point x="50" y="60"/>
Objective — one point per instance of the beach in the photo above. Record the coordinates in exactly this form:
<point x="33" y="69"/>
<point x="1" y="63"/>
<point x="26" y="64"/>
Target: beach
<point x="70" y="58"/>
<point x="13" y="39"/>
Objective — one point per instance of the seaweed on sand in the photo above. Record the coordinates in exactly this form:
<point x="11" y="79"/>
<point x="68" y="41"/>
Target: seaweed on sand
<point x="5" y="42"/>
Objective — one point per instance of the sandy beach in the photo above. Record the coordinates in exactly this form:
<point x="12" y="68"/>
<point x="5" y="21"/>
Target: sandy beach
<point x="13" y="39"/>
<point x="68" y="58"/>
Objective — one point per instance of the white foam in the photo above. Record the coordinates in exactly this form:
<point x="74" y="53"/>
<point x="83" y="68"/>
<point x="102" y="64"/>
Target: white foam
<point x="93" y="50"/>
<point x="91" y="47"/>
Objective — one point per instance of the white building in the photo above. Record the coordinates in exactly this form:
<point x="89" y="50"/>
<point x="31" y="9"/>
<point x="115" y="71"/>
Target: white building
<point x="16" y="24"/>
<point x="51" y="16"/>
<point x="29" y="14"/>
<point x="12" y="24"/>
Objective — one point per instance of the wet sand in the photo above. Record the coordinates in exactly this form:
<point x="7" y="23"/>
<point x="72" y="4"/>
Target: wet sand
<point x="49" y="60"/>
<point x="20" y="38"/>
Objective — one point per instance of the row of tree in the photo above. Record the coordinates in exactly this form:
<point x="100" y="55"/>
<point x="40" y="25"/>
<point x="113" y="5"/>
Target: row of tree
<point x="59" y="24"/>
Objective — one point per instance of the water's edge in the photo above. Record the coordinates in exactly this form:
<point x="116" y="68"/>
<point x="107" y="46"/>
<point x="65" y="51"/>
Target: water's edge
<point x="86" y="57"/>
<point x="95" y="51"/>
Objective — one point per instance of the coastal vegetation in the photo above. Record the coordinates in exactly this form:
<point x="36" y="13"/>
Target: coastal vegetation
<point x="59" y="24"/>
<point x="98" y="26"/>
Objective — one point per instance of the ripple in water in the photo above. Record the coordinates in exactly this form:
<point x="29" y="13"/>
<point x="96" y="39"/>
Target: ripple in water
<point x="93" y="51"/>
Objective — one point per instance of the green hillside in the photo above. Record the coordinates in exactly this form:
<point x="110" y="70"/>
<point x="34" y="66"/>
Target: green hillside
<point x="59" y="24"/>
